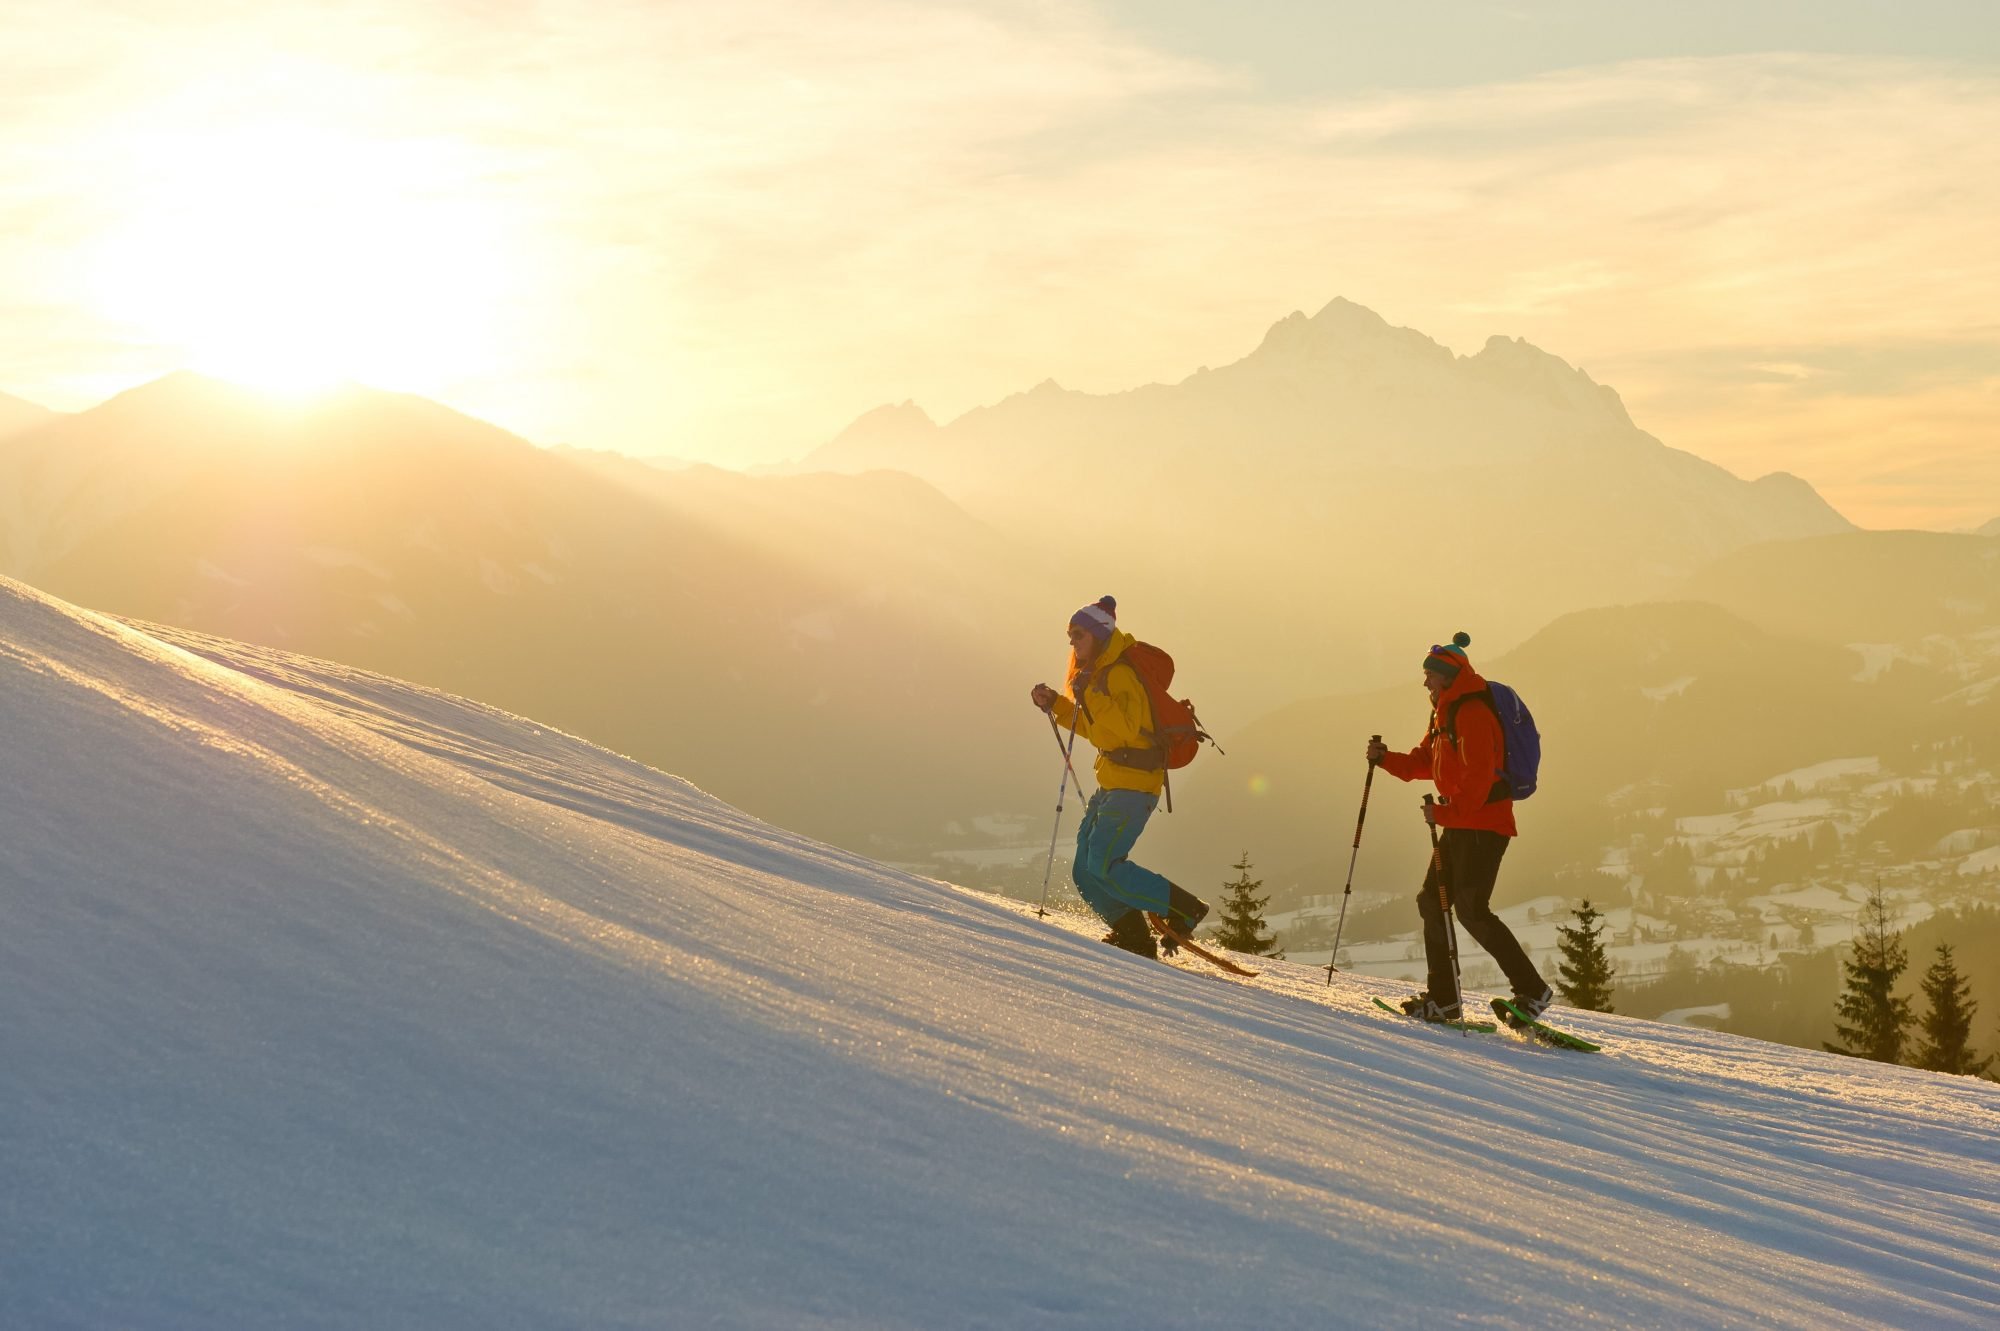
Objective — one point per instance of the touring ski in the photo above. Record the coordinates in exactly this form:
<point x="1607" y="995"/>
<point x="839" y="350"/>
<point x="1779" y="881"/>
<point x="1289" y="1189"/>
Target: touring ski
<point x="1486" y="1027"/>
<point x="1521" y="1021"/>
<point x="1176" y="939"/>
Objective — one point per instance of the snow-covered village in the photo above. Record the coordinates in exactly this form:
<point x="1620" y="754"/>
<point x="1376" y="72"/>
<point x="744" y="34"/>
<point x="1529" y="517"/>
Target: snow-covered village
<point x="1049" y="667"/>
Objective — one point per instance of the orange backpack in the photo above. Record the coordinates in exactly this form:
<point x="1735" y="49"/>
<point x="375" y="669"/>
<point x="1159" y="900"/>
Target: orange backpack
<point x="1177" y="732"/>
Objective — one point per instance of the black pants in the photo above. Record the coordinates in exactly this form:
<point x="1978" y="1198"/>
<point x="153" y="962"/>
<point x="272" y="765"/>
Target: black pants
<point x="1471" y="864"/>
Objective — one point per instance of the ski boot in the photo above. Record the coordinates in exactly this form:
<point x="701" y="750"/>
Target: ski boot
<point x="1534" y="1007"/>
<point x="1421" y="1004"/>
<point x="1185" y="911"/>
<point x="1129" y="931"/>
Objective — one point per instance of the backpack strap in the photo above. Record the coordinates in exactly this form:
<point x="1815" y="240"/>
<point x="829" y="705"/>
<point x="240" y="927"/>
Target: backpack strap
<point x="1139" y="757"/>
<point x="1450" y="730"/>
<point x="1503" y="789"/>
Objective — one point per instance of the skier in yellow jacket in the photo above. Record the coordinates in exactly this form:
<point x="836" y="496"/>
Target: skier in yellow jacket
<point x="1107" y="705"/>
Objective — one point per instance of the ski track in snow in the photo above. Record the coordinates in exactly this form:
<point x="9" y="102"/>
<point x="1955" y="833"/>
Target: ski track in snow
<point x="333" y="1001"/>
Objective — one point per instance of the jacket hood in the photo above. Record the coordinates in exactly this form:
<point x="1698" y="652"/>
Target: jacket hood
<point x="1113" y="651"/>
<point x="1114" y="648"/>
<point x="1467" y="683"/>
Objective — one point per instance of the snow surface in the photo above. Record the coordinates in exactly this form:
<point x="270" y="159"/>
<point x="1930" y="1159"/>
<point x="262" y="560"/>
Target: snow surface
<point x="335" y="1002"/>
<point x="1981" y="861"/>
<point x="1672" y="689"/>
<point x="1680" y="1016"/>
<point x="1817" y="775"/>
<point x="1876" y="658"/>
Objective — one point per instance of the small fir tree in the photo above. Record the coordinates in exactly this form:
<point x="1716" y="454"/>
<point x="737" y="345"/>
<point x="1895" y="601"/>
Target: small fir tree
<point x="1947" y="1026"/>
<point x="1242" y="927"/>
<point x="1586" y="972"/>
<point x="1873" y="1022"/>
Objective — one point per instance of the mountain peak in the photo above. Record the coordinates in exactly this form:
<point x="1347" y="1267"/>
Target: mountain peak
<point x="904" y="415"/>
<point x="1342" y="313"/>
<point x="1342" y="328"/>
<point x="1519" y="361"/>
<point x="894" y="436"/>
<point x="1520" y="354"/>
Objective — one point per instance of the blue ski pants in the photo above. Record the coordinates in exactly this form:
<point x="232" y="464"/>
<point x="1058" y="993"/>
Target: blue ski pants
<point x="1110" y="883"/>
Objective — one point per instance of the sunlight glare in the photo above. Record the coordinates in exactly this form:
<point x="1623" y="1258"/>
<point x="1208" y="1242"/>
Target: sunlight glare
<point x="289" y="258"/>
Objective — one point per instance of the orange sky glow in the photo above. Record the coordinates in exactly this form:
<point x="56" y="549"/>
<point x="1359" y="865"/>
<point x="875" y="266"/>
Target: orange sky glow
<point x="721" y="232"/>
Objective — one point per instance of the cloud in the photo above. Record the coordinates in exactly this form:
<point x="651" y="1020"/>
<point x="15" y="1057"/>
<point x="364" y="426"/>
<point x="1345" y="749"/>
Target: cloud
<point x="1861" y="367"/>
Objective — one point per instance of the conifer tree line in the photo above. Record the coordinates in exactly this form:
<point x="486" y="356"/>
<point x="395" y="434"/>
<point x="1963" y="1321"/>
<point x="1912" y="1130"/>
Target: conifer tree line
<point x="1874" y="1022"/>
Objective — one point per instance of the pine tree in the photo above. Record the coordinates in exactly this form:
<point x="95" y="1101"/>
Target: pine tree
<point x="1873" y="1022"/>
<point x="1948" y="1026"/>
<point x="1586" y="972"/>
<point x="1242" y="928"/>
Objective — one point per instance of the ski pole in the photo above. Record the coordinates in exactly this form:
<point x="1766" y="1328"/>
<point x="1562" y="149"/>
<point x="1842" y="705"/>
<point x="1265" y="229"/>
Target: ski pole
<point x="1056" y="731"/>
<point x="1444" y="900"/>
<point x="1062" y="793"/>
<point x="1348" y="891"/>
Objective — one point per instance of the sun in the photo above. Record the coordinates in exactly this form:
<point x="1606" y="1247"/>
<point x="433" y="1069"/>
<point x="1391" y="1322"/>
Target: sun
<point x="289" y="258"/>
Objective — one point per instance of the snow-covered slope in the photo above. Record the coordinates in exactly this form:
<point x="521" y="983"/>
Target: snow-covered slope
<point x="331" y="1001"/>
<point x="390" y="532"/>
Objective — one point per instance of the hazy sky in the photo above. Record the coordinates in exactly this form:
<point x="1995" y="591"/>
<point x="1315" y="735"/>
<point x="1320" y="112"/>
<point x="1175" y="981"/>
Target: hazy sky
<point x="723" y="230"/>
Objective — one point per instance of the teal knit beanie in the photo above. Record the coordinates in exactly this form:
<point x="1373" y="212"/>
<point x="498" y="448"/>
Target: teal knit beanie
<point x="1447" y="660"/>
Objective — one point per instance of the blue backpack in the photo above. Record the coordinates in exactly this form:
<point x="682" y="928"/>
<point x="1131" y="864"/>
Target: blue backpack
<point x="1520" y="742"/>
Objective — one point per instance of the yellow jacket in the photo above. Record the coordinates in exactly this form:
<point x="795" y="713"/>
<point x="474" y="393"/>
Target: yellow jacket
<point x="1117" y="715"/>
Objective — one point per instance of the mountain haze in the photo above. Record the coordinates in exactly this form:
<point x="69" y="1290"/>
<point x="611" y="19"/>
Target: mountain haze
<point x="337" y="1002"/>
<point x="17" y="414"/>
<point x="1275" y="524"/>
<point x="1663" y="706"/>
<point x="1890" y="587"/>
<point x="1344" y="494"/>
<point x="748" y="630"/>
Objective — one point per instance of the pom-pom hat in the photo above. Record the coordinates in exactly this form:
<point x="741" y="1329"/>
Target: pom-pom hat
<point x="1448" y="659"/>
<point x="1098" y="618"/>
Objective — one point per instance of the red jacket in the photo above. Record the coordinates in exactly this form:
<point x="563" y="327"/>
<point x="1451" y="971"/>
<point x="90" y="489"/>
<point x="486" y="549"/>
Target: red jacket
<point x="1466" y="769"/>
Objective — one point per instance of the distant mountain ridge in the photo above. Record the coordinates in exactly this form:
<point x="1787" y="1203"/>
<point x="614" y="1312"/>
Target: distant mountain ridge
<point x="1665" y="705"/>
<point x="1320" y="395"/>
<point x="1774" y="658"/>
<point x="1296" y="525"/>
<point x="749" y="631"/>
<point x="1351" y="466"/>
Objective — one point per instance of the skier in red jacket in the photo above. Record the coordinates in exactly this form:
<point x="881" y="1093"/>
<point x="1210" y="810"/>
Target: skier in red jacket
<point x="1463" y="754"/>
